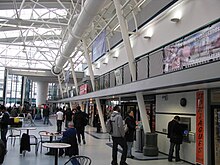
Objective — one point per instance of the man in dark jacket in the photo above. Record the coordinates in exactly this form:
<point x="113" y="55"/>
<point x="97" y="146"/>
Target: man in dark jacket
<point x="69" y="136"/>
<point x="4" y="124"/>
<point x="129" y="135"/>
<point x="175" y="133"/>
<point x="118" y="137"/>
<point x="79" y="121"/>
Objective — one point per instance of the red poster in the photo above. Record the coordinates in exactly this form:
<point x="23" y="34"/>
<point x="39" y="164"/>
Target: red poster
<point x="83" y="89"/>
<point x="200" y="127"/>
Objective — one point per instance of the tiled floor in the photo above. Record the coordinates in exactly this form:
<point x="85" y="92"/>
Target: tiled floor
<point x="95" y="148"/>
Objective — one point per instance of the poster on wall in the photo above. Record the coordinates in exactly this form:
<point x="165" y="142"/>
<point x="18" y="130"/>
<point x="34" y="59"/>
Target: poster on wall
<point x="200" y="127"/>
<point x="197" y="48"/>
<point x="83" y="89"/>
<point x="118" y="76"/>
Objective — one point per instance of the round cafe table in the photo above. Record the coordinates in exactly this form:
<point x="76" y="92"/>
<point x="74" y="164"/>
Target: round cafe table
<point x="27" y="128"/>
<point x="56" y="146"/>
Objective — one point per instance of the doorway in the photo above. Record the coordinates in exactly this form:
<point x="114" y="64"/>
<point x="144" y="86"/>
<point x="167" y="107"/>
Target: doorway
<point x="216" y="134"/>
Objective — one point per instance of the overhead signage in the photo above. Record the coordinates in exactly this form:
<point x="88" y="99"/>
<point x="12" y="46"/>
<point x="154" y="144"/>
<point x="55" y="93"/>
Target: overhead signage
<point x="99" y="46"/>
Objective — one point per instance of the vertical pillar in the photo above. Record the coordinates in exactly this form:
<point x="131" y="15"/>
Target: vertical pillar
<point x="74" y="78"/>
<point x="101" y="117"/>
<point x="125" y="37"/>
<point x="42" y="89"/>
<point x="61" y="89"/>
<point x="5" y="86"/>
<point x="24" y="79"/>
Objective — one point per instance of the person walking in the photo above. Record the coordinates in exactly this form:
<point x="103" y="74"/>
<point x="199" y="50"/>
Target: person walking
<point x="4" y="124"/>
<point x="59" y="117"/>
<point x="118" y="136"/>
<point x="129" y="135"/>
<point x="68" y="116"/>
<point x="175" y="133"/>
<point x="80" y="121"/>
<point x="46" y="114"/>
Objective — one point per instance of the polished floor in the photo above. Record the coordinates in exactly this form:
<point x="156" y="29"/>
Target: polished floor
<point x="97" y="147"/>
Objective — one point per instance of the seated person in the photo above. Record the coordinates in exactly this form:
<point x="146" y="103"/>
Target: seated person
<point x="69" y="136"/>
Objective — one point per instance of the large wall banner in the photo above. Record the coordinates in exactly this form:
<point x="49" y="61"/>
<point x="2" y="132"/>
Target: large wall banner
<point x="99" y="46"/>
<point x="197" y="48"/>
<point x="200" y="127"/>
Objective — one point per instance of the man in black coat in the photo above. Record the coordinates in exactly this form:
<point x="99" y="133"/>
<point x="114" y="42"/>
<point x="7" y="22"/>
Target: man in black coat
<point x="4" y="124"/>
<point x="129" y="135"/>
<point x="80" y="121"/>
<point x="175" y="133"/>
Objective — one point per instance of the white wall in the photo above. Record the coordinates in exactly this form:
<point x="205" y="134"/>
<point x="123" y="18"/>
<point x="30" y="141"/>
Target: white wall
<point x="166" y="108"/>
<point x="196" y="13"/>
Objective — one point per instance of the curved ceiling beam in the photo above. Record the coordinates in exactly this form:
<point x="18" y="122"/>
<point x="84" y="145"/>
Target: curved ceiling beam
<point x="90" y="9"/>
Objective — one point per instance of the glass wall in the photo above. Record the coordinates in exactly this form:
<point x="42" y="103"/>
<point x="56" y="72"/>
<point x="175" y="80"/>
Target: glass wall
<point x="52" y="91"/>
<point x="13" y="93"/>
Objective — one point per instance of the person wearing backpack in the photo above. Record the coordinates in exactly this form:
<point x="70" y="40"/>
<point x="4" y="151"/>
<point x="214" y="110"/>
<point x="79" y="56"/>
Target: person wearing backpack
<point x="118" y="136"/>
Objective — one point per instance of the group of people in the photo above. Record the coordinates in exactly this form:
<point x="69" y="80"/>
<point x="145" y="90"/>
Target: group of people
<point x="125" y="137"/>
<point x="120" y="136"/>
<point x="79" y="119"/>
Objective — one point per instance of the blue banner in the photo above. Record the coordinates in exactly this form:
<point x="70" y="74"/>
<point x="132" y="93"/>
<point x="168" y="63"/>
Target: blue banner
<point x="99" y="46"/>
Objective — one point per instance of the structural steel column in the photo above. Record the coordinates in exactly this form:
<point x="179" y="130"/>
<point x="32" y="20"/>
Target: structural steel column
<point x="61" y="89"/>
<point x="74" y="79"/>
<point x="42" y="89"/>
<point x="132" y="67"/>
<point x="23" y="90"/>
<point x="93" y="86"/>
<point x="5" y="86"/>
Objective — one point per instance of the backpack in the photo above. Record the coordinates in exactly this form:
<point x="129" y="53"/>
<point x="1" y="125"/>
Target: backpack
<point x="109" y="126"/>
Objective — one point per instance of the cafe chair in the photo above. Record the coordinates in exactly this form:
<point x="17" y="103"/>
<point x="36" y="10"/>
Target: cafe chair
<point x="43" y="139"/>
<point x="14" y="133"/>
<point x="34" y="142"/>
<point x="79" y="160"/>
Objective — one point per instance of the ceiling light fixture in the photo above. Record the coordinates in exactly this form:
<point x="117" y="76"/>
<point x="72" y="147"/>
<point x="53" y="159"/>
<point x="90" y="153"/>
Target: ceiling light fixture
<point x="149" y="33"/>
<point x="175" y="20"/>
<point x="176" y="17"/>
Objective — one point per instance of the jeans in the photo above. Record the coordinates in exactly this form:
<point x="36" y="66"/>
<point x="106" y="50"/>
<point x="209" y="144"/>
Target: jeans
<point x="177" y="150"/>
<point x="3" y="136"/>
<point x="46" y="120"/>
<point x="129" y="152"/>
<point x="122" y="142"/>
<point x="59" y="126"/>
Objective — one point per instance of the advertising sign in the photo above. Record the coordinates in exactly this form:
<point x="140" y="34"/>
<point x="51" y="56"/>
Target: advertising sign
<point x="118" y="76"/>
<point x="83" y="89"/>
<point x="200" y="127"/>
<point x="99" y="46"/>
<point x="197" y="48"/>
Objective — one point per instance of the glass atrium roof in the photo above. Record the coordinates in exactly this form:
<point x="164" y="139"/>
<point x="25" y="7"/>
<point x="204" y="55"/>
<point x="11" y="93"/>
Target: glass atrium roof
<point x="33" y="33"/>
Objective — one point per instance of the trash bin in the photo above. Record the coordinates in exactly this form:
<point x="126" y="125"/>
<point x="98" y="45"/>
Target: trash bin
<point x="150" y="146"/>
<point x="139" y="139"/>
